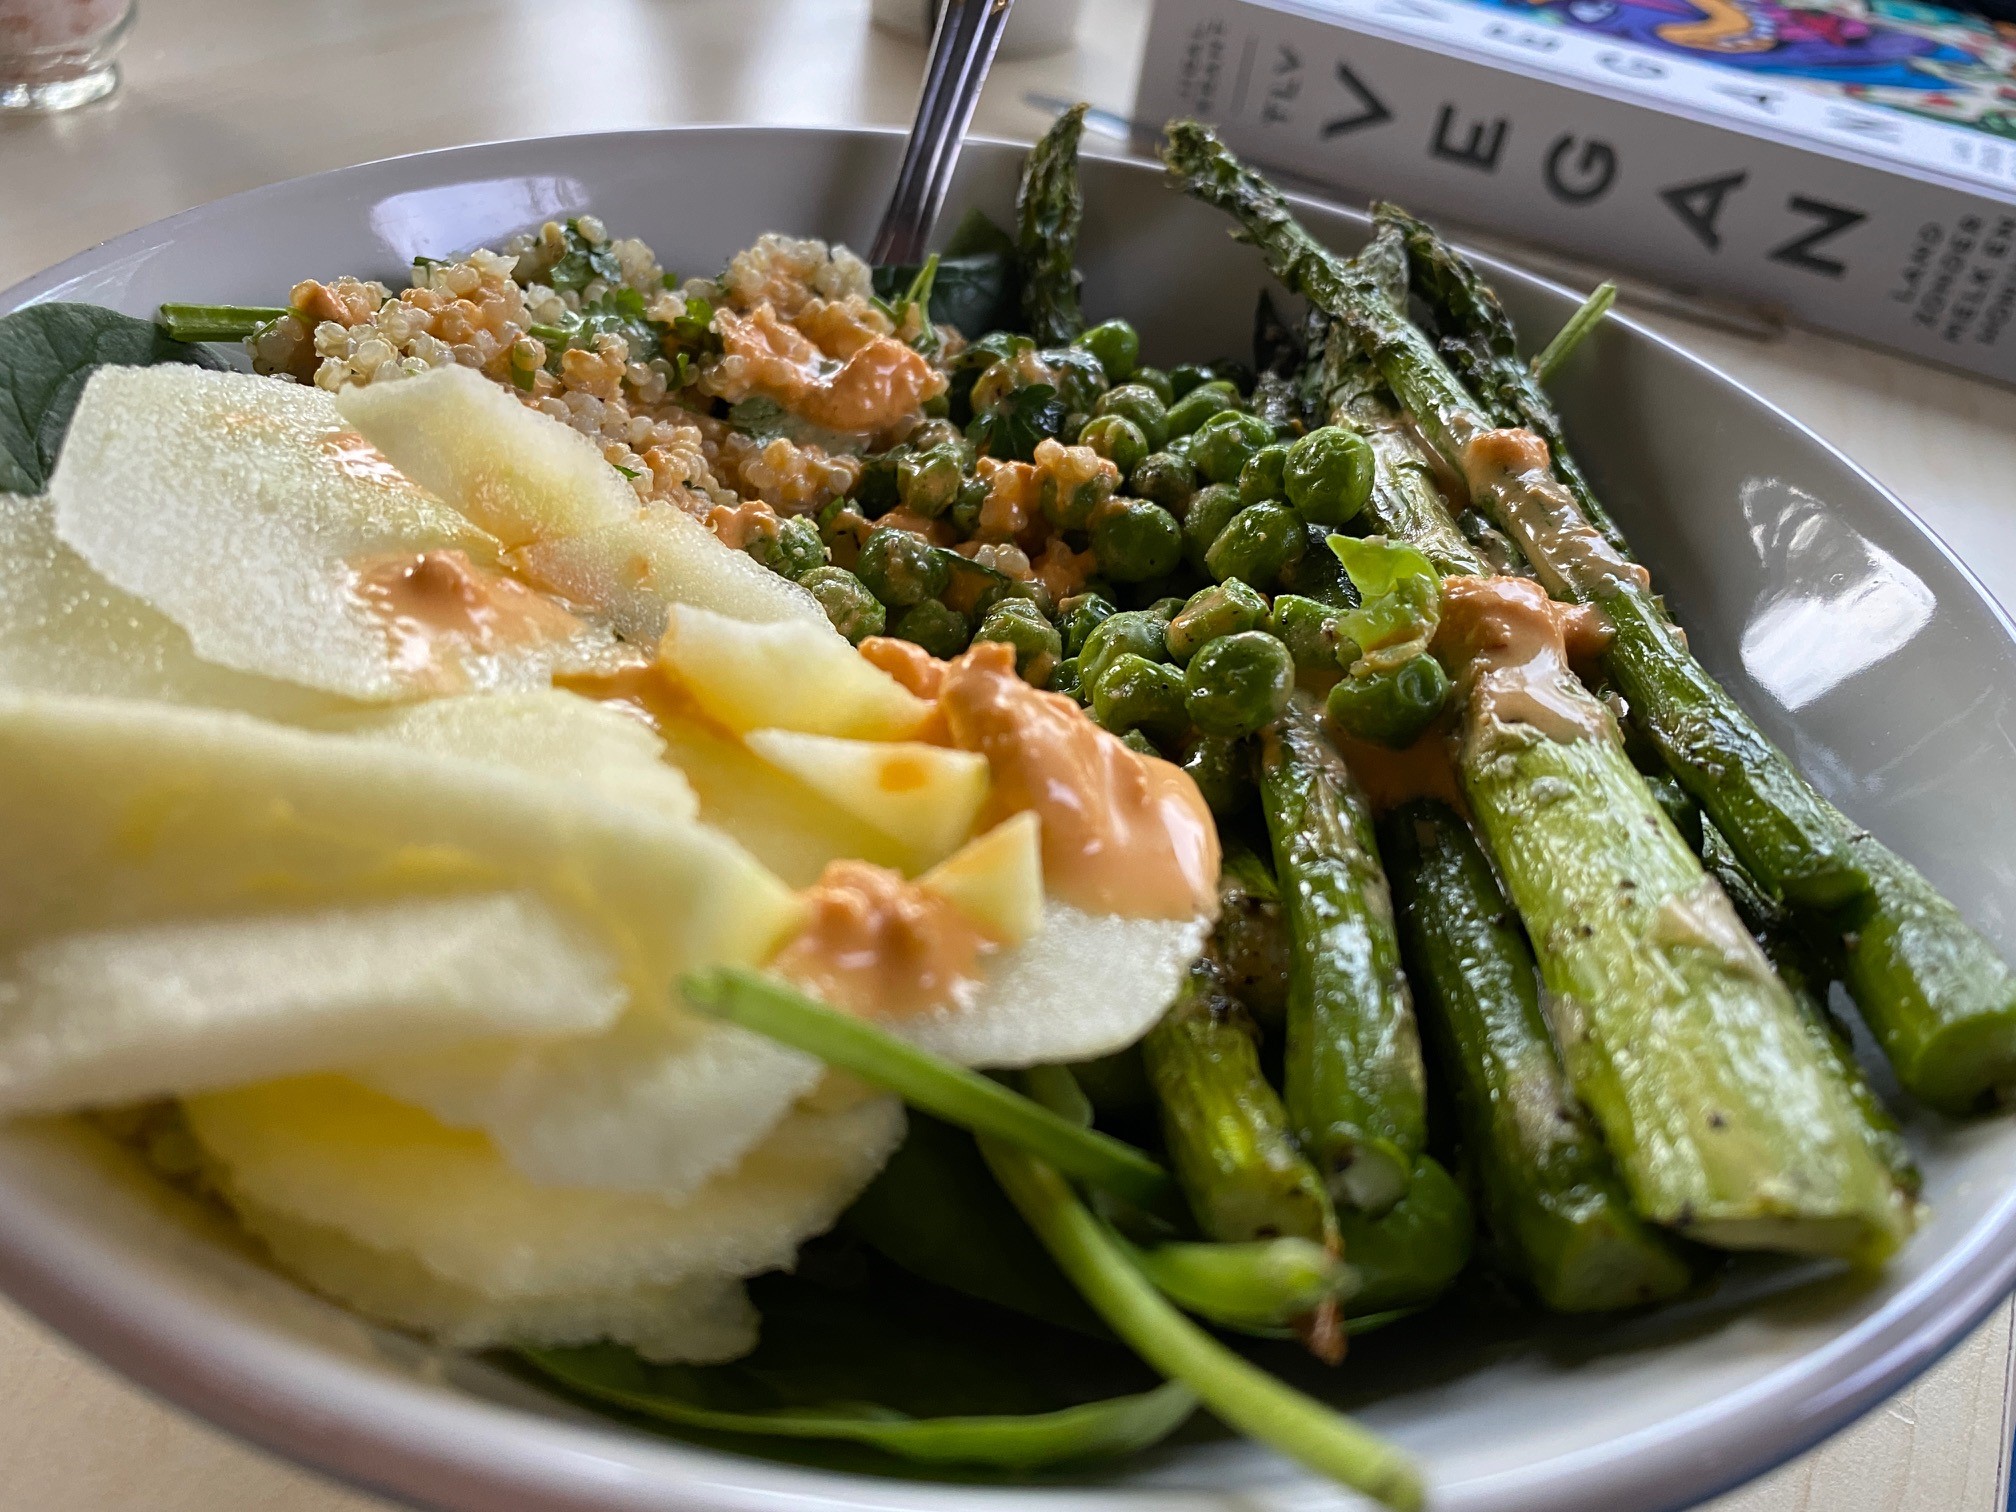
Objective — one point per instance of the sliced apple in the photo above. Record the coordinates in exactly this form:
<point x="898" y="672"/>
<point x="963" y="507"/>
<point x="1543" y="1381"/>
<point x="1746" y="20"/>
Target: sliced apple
<point x="248" y="511"/>
<point x="107" y="1016"/>
<point x="702" y="1321"/>
<point x="996" y="880"/>
<point x="789" y="827"/>
<point x="571" y="522"/>
<point x="117" y="815"/>
<point x="924" y="797"/>
<point x="328" y="1151"/>
<point x="786" y="676"/>
<point x="592" y="747"/>
<point x="1082" y="985"/>
<point x="64" y="629"/>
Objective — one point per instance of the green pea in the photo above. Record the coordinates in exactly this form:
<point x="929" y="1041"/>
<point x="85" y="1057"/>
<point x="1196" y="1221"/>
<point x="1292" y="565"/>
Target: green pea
<point x="928" y="482"/>
<point x="1132" y="632"/>
<point x="1079" y="616"/>
<point x="965" y="511"/>
<point x="1199" y="405"/>
<point x="901" y="568"/>
<point x="1238" y="374"/>
<point x="1140" y="404"/>
<point x="855" y="612"/>
<point x="1064" y="679"/>
<point x="1072" y="507"/>
<point x="1309" y="629"/>
<point x="1392" y="708"/>
<point x="1238" y="683"/>
<point x="792" y="550"/>
<point x="1117" y="346"/>
<point x="1134" y="693"/>
<point x="1077" y="375"/>
<point x="1133" y="540"/>
<point x="1164" y="478"/>
<point x="930" y="434"/>
<point x="1328" y="476"/>
<point x="1117" y="439"/>
<point x="938" y="629"/>
<point x="1019" y="623"/>
<point x="1187" y="376"/>
<point x="1260" y="478"/>
<point x="1167" y="607"/>
<point x="1139" y="744"/>
<point x="1156" y="379"/>
<point x="1210" y="512"/>
<point x="1222" y="609"/>
<point x="1222" y="768"/>
<point x="1257" y="545"/>
<point x="1223" y="445"/>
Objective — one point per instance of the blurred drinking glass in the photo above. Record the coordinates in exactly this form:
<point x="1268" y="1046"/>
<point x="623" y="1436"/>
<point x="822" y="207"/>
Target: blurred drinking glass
<point x="57" y="54"/>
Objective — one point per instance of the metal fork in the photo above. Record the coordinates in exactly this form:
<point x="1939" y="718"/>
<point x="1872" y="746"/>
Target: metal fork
<point x="962" y="50"/>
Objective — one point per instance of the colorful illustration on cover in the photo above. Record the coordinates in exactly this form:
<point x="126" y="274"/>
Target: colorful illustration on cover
<point x="1922" y="58"/>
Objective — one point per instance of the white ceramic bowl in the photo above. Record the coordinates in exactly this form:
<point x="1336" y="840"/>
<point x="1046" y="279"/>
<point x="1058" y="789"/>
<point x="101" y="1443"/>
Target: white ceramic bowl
<point x="1854" y="637"/>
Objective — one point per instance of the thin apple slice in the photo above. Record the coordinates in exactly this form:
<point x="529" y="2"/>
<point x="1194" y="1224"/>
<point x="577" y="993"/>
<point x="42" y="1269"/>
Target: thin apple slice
<point x="701" y="1321"/>
<point x="592" y="747"/>
<point x="117" y="815"/>
<point x="924" y="797"/>
<point x="64" y="629"/>
<point x="107" y="1016"/>
<point x="571" y="522"/>
<point x="1083" y="985"/>
<point x="788" y="676"/>
<point x="249" y="513"/>
<point x="996" y="880"/>
<point x="329" y="1151"/>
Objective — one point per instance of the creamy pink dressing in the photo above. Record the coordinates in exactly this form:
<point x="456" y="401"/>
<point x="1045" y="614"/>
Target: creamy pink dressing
<point x="1510" y="476"/>
<point x="1511" y="644"/>
<point x="437" y="607"/>
<point x="882" y="947"/>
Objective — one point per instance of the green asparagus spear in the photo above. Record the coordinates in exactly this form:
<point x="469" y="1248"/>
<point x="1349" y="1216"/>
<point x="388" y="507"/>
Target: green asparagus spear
<point x="1251" y="940"/>
<point x="1244" y="1396"/>
<point x="1263" y="1286"/>
<point x="1047" y="211"/>
<point x="1355" y="1088"/>
<point x="1550" y="1193"/>
<point x="194" y="322"/>
<point x="1805" y="967"/>
<point x="1785" y="833"/>
<point x="1224" y="1126"/>
<point x="1410" y="1254"/>
<point x="1940" y="1000"/>
<point x="1728" y="1124"/>
<point x="1406" y="501"/>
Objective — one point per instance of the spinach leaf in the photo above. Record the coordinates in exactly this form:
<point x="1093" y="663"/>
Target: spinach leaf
<point x="1009" y="432"/>
<point x="47" y="352"/>
<point x="898" y="1367"/>
<point x="975" y="289"/>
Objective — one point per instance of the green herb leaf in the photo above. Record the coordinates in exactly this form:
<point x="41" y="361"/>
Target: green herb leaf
<point x="899" y="1368"/>
<point x="1011" y="430"/>
<point x="47" y="352"/>
<point x="582" y="263"/>
<point x="1400" y="596"/>
<point x="760" y="417"/>
<point x="974" y="289"/>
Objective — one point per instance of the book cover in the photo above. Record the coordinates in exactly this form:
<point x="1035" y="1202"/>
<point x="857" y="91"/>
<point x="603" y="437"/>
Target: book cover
<point x="1849" y="163"/>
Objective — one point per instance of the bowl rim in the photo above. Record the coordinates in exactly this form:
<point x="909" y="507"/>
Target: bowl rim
<point x="428" y="1445"/>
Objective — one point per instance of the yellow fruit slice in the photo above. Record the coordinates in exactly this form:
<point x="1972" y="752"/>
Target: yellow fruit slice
<point x="787" y="676"/>
<point x="924" y="797"/>
<point x="571" y="523"/>
<point x="248" y="512"/>
<point x="997" y="879"/>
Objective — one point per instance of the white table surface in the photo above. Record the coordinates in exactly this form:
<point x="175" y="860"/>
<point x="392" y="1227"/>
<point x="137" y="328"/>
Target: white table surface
<point x="225" y="94"/>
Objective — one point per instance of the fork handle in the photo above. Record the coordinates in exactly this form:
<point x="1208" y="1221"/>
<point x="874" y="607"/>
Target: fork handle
<point x="962" y="50"/>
